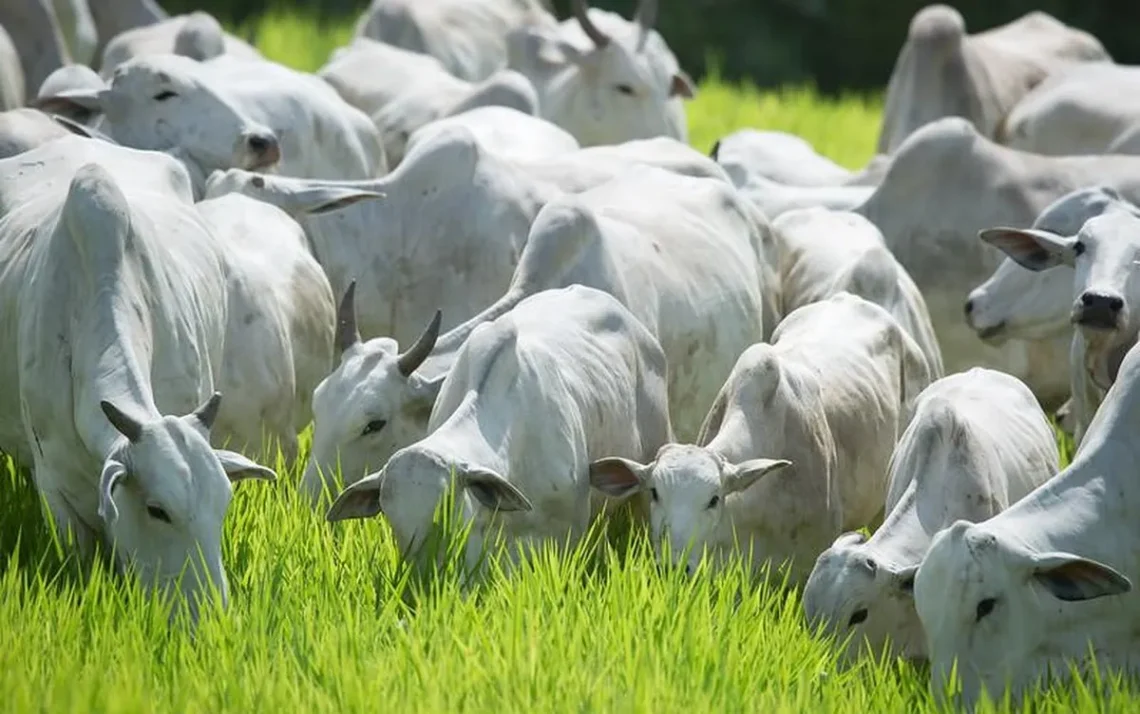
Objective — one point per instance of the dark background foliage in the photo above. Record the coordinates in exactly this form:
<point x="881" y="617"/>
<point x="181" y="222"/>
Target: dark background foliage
<point x="838" y="44"/>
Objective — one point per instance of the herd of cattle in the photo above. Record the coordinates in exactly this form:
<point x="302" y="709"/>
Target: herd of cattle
<point x="476" y="250"/>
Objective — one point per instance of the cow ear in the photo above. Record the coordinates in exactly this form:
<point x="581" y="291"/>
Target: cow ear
<point x="72" y="100"/>
<point x="903" y="579"/>
<point x="1032" y="248"/>
<point x="494" y="491"/>
<point x="360" y="500"/>
<point x="113" y="474"/>
<point x="239" y="468"/>
<point x="617" y="477"/>
<point x="737" y="477"/>
<point x="1072" y="578"/>
<point x="424" y="391"/>
<point x="682" y="86"/>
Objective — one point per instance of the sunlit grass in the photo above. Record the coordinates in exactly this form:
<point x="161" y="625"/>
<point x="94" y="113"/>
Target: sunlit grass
<point x="325" y="619"/>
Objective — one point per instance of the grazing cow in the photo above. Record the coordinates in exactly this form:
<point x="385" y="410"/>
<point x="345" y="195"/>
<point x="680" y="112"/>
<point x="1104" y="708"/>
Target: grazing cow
<point x="11" y="74"/>
<point x="689" y="265"/>
<point x="229" y="113"/>
<point x="930" y="220"/>
<point x="1048" y="582"/>
<point x="977" y="443"/>
<point x="467" y="37"/>
<point x="795" y="448"/>
<point x="1080" y="110"/>
<point x="113" y="299"/>
<point x="777" y="157"/>
<point x="530" y="403"/>
<point x="941" y="71"/>
<point x="824" y="252"/>
<point x="1105" y="296"/>
<point x="24" y="129"/>
<point x="197" y="35"/>
<point x="503" y="131"/>
<point x="604" y="79"/>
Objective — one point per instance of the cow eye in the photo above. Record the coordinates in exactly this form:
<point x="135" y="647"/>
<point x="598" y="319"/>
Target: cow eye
<point x="985" y="607"/>
<point x="373" y="426"/>
<point x="157" y="513"/>
<point x="164" y="95"/>
<point x="714" y="502"/>
<point x="653" y="494"/>
<point x="857" y="617"/>
<point x="624" y="89"/>
<point x="1079" y="247"/>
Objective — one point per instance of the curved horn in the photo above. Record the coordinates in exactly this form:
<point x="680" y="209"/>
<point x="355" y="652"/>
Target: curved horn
<point x="347" y="334"/>
<point x="410" y="361"/>
<point x="646" y="14"/>
<point x="208" y="412"/>
<point x="582" y="15"/>
<point x="126" y="425"/>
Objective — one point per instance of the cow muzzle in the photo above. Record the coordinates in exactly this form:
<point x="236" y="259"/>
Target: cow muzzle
<point x="1098" y="310"/>
<point x="261" y="149"/>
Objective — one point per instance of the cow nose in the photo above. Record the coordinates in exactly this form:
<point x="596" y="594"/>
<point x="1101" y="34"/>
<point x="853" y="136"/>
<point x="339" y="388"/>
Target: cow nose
<point x="969" y="307"/>
<point x="265" y="147"/>
<point x="1115" y="303"/>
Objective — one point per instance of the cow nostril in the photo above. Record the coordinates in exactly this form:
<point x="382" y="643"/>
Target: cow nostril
<point x="1115" y="303"/>
<point x="1087" y="299"/>
<point x="969" y="307"/>
<point x="261" y="144"/>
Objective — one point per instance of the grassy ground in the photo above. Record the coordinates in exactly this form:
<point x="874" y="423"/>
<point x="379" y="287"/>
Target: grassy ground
<point x="320" y="617"/>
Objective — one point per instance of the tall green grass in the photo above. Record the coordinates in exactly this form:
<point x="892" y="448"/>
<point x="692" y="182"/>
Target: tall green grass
<point x="324" y="619"/>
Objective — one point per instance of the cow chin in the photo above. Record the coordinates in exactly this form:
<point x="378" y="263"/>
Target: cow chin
<point x="995" y="335"/>
<point x="1105" y="351"/>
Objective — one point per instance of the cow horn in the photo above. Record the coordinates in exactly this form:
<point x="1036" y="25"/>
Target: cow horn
<point x="582" y="14"/>
<point x="125" y="424"/>
<point x="410" y="361"/>
<point x="208" y="412"/>
<point x="347" y="333"/>
<point x="646" y="14"/>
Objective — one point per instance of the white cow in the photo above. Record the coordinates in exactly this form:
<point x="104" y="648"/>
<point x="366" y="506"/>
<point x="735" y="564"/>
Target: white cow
<point x="1105" y="294"/>
<point x="946" y="183"/>
<point x="685" y="255"/>
<point x="503" y="131"/>
<point x="530" y="403"/>
<point x="795" y="448"/>
<point x="197" y="35"/>
<point x="1049" y="581"/>
<point x="1079" y="110"/>
<point x="604" y="79"/>
<point x="778" y="157"/>
<point x="24" y="129"/>
<point x="229" y="113"/>
<point x="12" y="91"/>
<point x="941" y="71"/>
<point x="114" y="303"/>
<point x="114" y="17"/>
<point x="775" y="198"/>
<point x="467" y="37"/>
<point x="823" y="252"/>
<point x="977" y="443"/>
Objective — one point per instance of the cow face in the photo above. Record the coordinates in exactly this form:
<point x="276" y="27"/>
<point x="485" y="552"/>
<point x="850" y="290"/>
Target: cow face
<point x="603" y="79"/>
<point x="1003" y="613"/>
<point x="852" y="592"/>
<point x="163" y="103"/>
<point x="688" y="487"/>
<point x="372" y="404"/>
<point x="164" y="493"/>
<point x="1106" y="289"/>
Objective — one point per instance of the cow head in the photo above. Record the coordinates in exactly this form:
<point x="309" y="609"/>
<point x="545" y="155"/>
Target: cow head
<point x="165" y="103"/>
<point x="1016" y="303"/>
<point x="163" y="495"/>
<point x="1106" y="288"/>
<point x="1001" y="611"/>
<point x="687" y="487"/>
<point x="603" y="79"/>
<point x="372" y="404"/>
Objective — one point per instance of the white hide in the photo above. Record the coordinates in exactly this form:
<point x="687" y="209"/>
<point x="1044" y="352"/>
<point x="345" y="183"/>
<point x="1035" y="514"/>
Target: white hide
<point x="824" y="252"/>
<point x="80" y="35"/>
<point x="1041" y="585"/>
<point x="12" y="91"/>
<point x="941" y="71"/>
<point x="38" y="40"/>
<point x="467" y="37"/>
<point x="114" y="294"/>
<point x="196" y="35"/>
<point x="604" y="79"/>
<point x="24" y="129"/>
<point x="977" y="443"/>
<point x="795" y="448"/>
<point x="776" y="156"/>
<point x="503" y="131"/>
<point x="530" y="403"/>
<point x="115" y="17"/>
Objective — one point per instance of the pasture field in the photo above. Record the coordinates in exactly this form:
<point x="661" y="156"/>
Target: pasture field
<point x="323" y="619"/>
